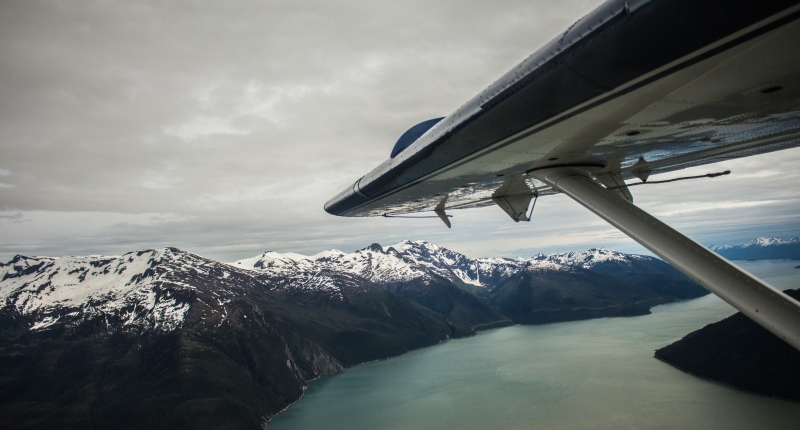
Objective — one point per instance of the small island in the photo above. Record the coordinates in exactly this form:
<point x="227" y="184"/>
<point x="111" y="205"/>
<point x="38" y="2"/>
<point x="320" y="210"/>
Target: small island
<point x="738" y="352"/>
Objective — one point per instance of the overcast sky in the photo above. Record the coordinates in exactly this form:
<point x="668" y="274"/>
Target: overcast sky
<point x="222" y="128"/>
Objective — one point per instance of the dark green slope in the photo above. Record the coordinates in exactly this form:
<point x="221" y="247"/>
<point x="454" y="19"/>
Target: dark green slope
<point x="370" y="323"/>
<point x="652" y="274"/>
<point x="738" y="352"/>
<point x="174" y="380"/>
<point x="554" y="296"/>
<point x="463" y="311"/>
<point x="233" y="372"/>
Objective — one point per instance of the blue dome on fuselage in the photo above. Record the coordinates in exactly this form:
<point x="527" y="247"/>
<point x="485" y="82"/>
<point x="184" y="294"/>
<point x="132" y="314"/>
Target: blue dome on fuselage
<point x="412" y="134"/>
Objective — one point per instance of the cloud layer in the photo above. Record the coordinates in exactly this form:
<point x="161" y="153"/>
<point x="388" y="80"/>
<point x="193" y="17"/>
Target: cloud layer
<point x="223" y="127"/>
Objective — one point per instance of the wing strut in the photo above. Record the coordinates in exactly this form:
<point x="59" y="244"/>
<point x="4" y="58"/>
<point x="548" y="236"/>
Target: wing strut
<point x="762" y="303"/>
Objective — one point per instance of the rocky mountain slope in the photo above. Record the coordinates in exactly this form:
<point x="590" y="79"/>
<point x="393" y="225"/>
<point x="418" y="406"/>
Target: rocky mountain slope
<point x="762" y="248"/>
<point x="740" y="353"/>
<point x="542" y="289"/>
<point x="168" y="339"/>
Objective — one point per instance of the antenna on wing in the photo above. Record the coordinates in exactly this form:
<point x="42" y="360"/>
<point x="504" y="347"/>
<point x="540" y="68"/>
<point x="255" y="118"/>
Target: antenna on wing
<point x="682" y="178"/>
<point x="439" y="211"/>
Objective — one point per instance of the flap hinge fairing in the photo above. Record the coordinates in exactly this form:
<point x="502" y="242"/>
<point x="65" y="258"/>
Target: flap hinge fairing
<point x="641" y="169"/>
<point x="514" y="197"/>
<point x="615" y="182"/>
<point x="439" y="210"/>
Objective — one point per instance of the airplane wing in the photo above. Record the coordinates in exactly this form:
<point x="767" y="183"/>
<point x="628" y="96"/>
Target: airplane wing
<point x="635" y="88"/>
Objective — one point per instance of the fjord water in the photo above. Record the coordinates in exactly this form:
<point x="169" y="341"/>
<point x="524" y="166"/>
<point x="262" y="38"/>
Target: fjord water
<point x="597" y="374"/>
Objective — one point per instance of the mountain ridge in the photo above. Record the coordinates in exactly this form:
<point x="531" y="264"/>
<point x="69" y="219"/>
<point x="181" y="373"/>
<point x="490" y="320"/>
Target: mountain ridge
<point x="761" y="248"/>
<point x="408" y="268"/>
<point x="164" y="338"/>
<point x="184" y="341"/>
<point x="101" y="284"/>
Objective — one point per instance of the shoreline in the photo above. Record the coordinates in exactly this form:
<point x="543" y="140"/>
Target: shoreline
<point x="742" y="390"/>
<point x="496" y="325"/>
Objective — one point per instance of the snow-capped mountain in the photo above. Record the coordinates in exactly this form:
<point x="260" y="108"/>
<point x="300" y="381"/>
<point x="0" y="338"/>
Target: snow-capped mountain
<point x="759" y="242"/>
<point x="770" y="241"/>
<point x="149" y="289"/>
<point x="406" y="261"/>
<point x="154" y="289"/>
<point x="160" y="336"/>
<point x="424" y="262"/>
<point x="593" y="257"/>
<point x="131" y="287"/>
<point x="762" y="248"/>
<point x="109" y="335"/>
<point x="450" y="283"/>
<point x="631" y="267"/>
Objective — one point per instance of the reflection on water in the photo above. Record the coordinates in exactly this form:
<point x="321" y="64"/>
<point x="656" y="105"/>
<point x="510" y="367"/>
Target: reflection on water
<point x="597" y="374"/>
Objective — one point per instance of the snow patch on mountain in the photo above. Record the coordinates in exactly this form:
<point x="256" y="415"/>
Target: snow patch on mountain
<point x="404" y="262"/>
<point x="592" y="257"/>
<point x="770" y="241"/>
<point x="127" y="285"/>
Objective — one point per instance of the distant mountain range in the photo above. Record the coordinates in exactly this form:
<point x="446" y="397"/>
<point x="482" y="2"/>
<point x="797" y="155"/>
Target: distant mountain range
<point x="542" y="289"/>
<point x="167" y="339"/>
<point x="762" y="248"/>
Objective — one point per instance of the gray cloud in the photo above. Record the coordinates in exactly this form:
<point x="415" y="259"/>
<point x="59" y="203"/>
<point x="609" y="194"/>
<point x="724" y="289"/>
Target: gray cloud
<point x="223" y="127"/>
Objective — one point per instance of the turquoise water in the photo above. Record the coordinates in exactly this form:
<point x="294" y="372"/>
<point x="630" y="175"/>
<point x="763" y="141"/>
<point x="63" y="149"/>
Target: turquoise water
<point x="597" y="374"/>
